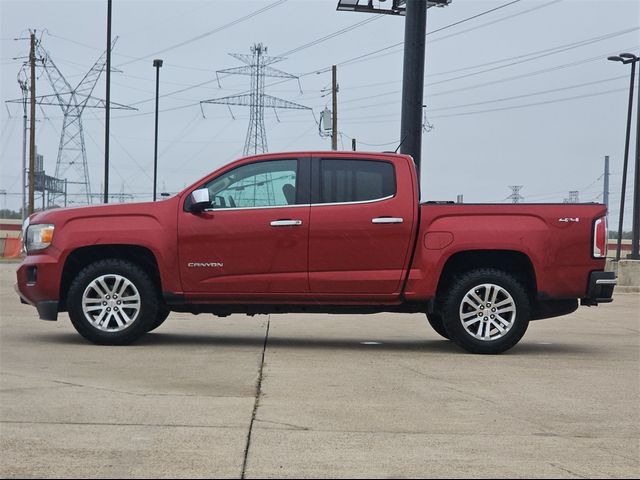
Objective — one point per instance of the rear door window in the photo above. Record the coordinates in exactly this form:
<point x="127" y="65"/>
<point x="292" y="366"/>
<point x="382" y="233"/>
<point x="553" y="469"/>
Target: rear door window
<point x="345" y="181"/>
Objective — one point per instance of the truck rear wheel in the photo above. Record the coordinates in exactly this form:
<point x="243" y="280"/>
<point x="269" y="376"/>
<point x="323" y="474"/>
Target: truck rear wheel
<point x="486" y="311"/>
<point x="112" y="302"/>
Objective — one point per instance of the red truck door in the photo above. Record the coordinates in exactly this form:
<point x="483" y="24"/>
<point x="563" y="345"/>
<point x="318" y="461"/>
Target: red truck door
<point x="254" y="238"/>
<point x="362" y="219"/>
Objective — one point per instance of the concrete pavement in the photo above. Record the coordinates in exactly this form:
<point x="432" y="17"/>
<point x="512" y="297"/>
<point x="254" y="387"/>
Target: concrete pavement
<point x="329" y="396"/>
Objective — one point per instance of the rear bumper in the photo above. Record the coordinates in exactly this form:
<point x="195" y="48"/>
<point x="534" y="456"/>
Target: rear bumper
<point x="600" y="289"/>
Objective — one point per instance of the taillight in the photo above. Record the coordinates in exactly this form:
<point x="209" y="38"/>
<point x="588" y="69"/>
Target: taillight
<point x="600" y="238"/>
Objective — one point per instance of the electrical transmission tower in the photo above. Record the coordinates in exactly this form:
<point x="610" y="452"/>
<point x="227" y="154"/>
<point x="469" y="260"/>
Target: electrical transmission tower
<point x="573" y="197"/>
<point x="515" y="193"/>
<point x="71" y="163"/>
<point x="257" y="67"/>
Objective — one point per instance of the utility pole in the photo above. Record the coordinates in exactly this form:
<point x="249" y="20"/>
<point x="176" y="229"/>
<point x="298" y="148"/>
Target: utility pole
<point x="334" y="118"/>
<point x="107" y="105"/>
<point x="25" y="96"/>
<point x="413" y="80"/>
<point x="415" y="28"/>
<point x="635" y="239"/>
<point x="32" y="131"/>
<point x="157" y="63"/>
<point x="605" y="192"/>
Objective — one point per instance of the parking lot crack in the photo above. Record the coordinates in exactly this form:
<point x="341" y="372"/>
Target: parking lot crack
<point x="290" y="426"/>
<point x="63" y="383"/>
<point x="257" y="399"/>
<point x="566" y="470"/>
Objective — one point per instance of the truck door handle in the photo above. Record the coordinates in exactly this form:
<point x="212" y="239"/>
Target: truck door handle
<point x="387" y="220"/>
<point x="286" y="223"/>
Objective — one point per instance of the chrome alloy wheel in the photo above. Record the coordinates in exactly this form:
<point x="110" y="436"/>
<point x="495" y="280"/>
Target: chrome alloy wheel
<point x="111" y="303"/>
<point x="487" y="312"/>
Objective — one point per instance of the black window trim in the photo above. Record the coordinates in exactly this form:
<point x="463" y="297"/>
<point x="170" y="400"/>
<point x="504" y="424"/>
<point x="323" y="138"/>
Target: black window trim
<point x="316" y="182"/>
<point x="303" y="195"/>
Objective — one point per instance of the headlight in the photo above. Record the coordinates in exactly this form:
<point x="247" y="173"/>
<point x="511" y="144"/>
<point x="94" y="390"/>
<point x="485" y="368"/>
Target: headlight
<point x="23" y="235"/>
<point x="38" y="237"/>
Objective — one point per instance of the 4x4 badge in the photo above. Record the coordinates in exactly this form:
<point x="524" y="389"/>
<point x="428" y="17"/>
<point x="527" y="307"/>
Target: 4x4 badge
<point x="569" y="219"/>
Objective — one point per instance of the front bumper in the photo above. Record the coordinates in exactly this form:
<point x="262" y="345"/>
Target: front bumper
<point x="600" y="289"/>
<point x="38" y="284"/>
<point x="47" y="309"/>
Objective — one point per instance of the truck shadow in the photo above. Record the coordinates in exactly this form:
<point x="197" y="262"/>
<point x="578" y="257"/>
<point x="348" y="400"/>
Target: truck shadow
<point x="161" y="340"/>
<point x="419" y="345"/>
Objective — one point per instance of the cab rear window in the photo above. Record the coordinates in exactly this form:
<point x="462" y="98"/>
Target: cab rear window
<point x="344" y="181"/>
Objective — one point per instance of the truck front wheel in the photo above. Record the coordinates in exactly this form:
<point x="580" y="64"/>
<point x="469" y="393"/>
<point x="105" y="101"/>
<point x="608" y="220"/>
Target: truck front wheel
<point x="112" y="302"/>
<point x="435" y="320"/>
<point x="486" y="311"/>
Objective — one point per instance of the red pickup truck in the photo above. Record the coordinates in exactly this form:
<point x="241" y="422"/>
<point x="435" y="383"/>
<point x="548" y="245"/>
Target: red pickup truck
<point x="316" y="232"/>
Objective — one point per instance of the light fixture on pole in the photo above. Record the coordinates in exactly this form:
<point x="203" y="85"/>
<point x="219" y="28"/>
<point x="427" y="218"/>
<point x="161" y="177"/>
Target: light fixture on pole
<point x="626" y="58"/>
<point x="157" y="63"/>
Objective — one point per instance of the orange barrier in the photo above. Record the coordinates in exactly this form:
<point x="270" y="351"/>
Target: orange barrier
<point x="11" y="248"/>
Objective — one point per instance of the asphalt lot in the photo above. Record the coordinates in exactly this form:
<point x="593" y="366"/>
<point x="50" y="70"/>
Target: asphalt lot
<point x="203" y="397"/>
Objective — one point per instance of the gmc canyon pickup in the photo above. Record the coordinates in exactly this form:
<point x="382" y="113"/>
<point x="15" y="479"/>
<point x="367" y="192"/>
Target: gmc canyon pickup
<point x="336" y="232"/>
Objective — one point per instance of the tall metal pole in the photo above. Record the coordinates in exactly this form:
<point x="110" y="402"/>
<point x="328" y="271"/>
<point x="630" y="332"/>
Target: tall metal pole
<point x="107" y="107"/>
<point x="23" y="86"/>
<point x="413" y="80"/>
<point x="156" y="63"/>
<point x="605" y="190"/>
<point x="32" y="131"/>
<point x="626" y="160"/>
<point x="334" y="117"/>
<point x="635" y="242"/>
<point x="259" y="98"/>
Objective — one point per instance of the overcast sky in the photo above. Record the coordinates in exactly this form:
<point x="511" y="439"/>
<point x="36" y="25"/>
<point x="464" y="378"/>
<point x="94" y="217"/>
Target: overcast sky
<point x="522" y="95"/>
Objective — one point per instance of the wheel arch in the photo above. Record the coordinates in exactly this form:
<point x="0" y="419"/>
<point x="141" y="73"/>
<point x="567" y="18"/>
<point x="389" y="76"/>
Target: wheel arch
<point x="514" y="262"/>
<point x="83" y="256"/>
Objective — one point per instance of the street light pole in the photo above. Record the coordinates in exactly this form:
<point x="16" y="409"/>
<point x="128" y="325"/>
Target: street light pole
<point x="632" y="59"/>
<point x="157" y="64"/>
<point x="107" y="107"/>
<point x="635" y="242"/>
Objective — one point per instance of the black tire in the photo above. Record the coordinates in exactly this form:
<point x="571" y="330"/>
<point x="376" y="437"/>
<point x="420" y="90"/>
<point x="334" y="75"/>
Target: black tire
<point x="454" y="304"/>
<point x="435" y="320"/>
<point x="142" y="319"/>
<point x="163" y="313"/>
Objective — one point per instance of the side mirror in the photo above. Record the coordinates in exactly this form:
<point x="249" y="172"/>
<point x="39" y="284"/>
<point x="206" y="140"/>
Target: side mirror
<point x="199" y="200"/>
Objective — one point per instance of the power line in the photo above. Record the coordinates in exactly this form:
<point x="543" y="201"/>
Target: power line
<point x="209" y="33"/>
<point x="526" y="95"/>
<point x="547" y="102"/>
<point x="514" y="107"/>
<point x="331" y="35"/>
<point x="375" y="53"/>
<point x="554" y="52"/>
<point x="500" y="80"/>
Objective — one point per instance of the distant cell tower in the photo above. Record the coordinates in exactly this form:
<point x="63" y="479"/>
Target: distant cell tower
<point x="257" y="67"/>
<point x="515" y="193"/>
